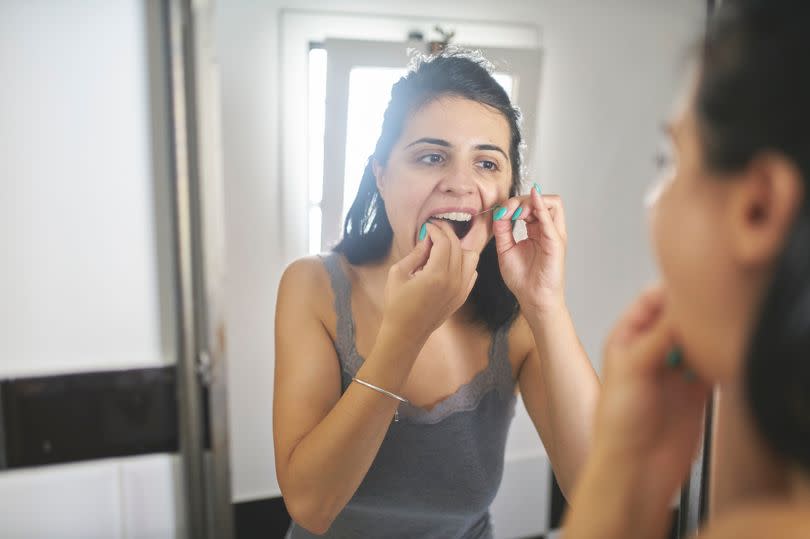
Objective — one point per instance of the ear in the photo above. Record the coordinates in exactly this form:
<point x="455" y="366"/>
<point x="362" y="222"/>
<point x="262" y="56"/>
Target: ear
<point x="763" y="208"/>
<point x="377" y="170"/>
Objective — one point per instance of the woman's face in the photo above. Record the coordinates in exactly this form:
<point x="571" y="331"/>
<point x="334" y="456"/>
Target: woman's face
<point x="714" y="239"/>
<point x="451" y="161"/>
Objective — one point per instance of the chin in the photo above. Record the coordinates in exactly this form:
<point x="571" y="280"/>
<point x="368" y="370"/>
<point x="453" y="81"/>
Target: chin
<point x="705" y="353"/>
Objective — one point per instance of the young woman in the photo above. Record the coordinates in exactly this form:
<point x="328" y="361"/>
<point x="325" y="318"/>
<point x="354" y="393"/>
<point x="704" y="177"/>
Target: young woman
<point x="399" y="354"/>
<point x="731" y="228"/>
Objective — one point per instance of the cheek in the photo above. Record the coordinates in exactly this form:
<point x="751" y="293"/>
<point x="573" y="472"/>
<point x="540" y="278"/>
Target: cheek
<point x="496" y="190"/>
<point x="692" y="262"/>
<point x="404" y="196"/>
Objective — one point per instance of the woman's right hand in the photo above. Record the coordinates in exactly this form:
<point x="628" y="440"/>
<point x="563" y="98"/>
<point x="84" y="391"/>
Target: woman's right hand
<point x="429" y="284"/>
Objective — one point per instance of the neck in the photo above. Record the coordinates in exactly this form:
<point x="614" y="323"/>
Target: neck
<point x="743" y="467"/>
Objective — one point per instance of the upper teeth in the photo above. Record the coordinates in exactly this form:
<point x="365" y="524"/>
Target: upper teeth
<point x="454" y="216"/>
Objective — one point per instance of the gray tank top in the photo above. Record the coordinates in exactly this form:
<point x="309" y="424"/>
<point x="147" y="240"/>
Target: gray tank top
<point x="437" y="471"/>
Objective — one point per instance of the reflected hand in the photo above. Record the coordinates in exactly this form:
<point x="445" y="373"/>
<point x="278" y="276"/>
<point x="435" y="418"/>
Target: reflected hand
<point x="430" y="283"/>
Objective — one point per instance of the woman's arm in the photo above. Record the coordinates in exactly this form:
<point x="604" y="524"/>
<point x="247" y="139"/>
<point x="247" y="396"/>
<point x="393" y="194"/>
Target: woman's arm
<point x="325" y="442"/>
<point x="559" y="386"/>
<point x="560" y="390"/>
<point x="612" y="501"/>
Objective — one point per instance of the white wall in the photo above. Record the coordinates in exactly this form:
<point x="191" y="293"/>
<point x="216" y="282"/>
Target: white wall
<point x="84" y="276"/>
<point x="80" y="272"/>
<point x="132" y="498"/>
<point x="609" y="75"/>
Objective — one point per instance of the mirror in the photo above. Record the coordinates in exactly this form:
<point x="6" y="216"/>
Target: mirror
<point x="303" y="93"/>
<point x="242" y="130"/>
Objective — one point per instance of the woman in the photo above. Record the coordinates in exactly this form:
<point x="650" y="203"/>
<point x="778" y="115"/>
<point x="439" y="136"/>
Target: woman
<point x="398" y="355"/>
<point x="731" y="228"/>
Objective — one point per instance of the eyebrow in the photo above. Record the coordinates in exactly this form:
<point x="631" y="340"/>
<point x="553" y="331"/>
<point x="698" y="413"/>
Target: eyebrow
<point x="444" y="143"/>
<point x="493" y="148"/>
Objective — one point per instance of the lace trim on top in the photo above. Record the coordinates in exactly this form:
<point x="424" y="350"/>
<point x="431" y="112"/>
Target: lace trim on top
<point x="496" y="376"/>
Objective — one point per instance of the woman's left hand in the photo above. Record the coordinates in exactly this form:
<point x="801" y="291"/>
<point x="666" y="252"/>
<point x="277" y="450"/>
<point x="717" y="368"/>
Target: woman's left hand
<point x="534" y="268"/>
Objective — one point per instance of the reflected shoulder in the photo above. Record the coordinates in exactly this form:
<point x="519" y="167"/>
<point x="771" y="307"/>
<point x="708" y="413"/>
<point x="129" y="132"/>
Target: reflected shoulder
<point x="306" y="282"/>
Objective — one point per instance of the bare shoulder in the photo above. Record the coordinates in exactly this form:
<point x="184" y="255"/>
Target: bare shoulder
<point x="763" y="520"/>
<point x="307" y="271"/>
<point x="305" y="283"/>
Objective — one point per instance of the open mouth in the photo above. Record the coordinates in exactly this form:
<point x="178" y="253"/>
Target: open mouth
<point x="460" y="221"/>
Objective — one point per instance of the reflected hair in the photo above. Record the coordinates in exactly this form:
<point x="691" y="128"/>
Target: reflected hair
<point x="367" y="234"/>
<point x="753" y="97"/>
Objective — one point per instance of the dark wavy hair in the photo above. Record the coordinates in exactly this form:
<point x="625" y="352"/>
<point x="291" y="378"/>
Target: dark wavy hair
<point x="367" y="234"/>
<point x="754" y="96"/>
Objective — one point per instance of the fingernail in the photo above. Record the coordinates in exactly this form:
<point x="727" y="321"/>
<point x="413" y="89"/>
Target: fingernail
<point x="517" y="214"/>
<point x="690" y="375"/>
<point x="675" y="358"/>
<point x="423" y="232"/>
<point x="500" y="212"/>
<point x="537" y="188"/>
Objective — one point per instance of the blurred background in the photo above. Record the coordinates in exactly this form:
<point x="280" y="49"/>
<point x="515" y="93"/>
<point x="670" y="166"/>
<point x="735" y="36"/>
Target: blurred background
<point x="164" y="160"/>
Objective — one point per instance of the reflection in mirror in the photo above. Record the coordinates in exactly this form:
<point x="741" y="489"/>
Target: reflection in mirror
<point x="592" y="90"/>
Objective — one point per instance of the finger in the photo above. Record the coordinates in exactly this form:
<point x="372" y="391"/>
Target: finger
<point x="469" y="265"/>
<point x="414" y="260"/>
<point x="650" y="349"/>
<point x="456" y="252"/>
<point x="522" y="210"/>
<point x="504" y="237"/>
<point x="453" y="244"/>
<point x="555" y="207"/>
<point x="539" y="209"/>
<point x="510" y="210"/>
<point x="639" y="315"/>
<point x="467" y="277"/>
<point x="470" y="286"/>
<point x="440" y="252"/>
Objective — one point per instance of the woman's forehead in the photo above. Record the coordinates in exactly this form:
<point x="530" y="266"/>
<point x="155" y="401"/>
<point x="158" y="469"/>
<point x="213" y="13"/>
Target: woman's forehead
<point x="459" y="121"/>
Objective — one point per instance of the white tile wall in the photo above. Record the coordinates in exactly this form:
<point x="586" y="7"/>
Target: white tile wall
<point x="133" y="498"/>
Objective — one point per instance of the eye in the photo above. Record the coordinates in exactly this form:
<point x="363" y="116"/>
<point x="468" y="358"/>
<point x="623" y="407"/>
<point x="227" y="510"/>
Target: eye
<point x="432" y="159"/>
<point x="488" y="165"/>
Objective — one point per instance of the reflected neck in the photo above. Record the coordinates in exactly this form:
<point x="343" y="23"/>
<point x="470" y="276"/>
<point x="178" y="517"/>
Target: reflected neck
<point x="744" y="468"/>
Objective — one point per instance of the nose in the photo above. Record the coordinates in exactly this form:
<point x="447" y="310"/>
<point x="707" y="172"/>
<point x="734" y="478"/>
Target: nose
<point x="458" y="181"/>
